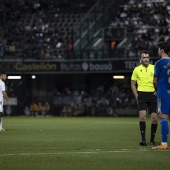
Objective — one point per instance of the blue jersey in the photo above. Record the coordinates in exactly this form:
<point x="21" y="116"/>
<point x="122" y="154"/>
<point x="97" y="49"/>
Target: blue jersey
<point x="162" y="72"/>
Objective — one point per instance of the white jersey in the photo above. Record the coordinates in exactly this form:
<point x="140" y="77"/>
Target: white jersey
<point x="2" y="88"/>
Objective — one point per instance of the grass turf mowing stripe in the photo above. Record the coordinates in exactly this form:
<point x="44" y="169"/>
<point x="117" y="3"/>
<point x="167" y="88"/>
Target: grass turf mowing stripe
<point x="85" y="152"/>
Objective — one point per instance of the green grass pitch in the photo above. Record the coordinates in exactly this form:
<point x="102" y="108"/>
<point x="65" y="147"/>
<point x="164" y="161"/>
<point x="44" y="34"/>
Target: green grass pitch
<point x="86" y="143"/>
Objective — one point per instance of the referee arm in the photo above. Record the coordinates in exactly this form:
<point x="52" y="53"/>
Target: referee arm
<point x="134" y="89"/>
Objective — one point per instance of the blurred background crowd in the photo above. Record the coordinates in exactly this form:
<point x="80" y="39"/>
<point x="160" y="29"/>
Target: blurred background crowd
<point x="44" y="29"/>
<point x="67" y="30"/>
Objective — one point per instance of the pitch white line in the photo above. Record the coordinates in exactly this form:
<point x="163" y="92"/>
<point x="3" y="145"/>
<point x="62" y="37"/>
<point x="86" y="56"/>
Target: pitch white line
<point x="83" y="152"/>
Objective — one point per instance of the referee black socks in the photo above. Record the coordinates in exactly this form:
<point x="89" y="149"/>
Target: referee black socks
<point x="142" y="126"/>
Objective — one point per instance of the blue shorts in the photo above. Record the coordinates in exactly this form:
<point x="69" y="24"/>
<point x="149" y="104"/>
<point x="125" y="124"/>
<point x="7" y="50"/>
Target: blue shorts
<point x="163" y="106"/>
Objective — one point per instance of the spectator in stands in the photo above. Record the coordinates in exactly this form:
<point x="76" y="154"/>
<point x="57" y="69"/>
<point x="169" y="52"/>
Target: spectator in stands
<point x="39" y="108"/>
<point x="27" y="111"/>
<point x="8" y="110"/>
<point x="64" y="111"/>
<point x="46" y="108"/>
<point x="1" y="50"/>
<point x="34" y="109"/>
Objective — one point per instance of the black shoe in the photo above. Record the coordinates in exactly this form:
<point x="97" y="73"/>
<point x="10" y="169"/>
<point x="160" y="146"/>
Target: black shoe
<point x="143" y="143"/>
<point x="152" y="143"/>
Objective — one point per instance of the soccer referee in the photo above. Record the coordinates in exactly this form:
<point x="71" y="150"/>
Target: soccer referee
<point x="144" y="92"/>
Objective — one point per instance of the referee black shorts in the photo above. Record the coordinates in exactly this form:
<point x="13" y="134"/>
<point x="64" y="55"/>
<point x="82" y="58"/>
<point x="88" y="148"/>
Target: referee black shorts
<point x="147" y="101"/>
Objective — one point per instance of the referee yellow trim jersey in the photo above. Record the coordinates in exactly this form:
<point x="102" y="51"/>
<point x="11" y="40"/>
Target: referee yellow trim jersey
<point x="144" y="78"/>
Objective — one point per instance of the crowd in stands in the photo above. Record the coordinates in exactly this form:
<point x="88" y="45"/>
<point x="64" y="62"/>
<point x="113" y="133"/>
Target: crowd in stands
<point x="38" y="109"/>
<point x="105" y="99"/>
<point x="42" y="29"/>
<point x="116" y="100"/>
<point x="39" y="29"/>
<point x="147" y="22"/>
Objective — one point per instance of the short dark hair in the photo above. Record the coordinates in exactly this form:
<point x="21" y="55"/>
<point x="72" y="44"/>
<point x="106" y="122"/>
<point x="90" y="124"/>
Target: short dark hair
<point x="2" y="72"/>
<point x="144" y="51"/>
<point x="164" y="46"/>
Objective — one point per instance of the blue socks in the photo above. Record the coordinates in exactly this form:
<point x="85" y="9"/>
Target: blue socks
<point x="164" y="129"/>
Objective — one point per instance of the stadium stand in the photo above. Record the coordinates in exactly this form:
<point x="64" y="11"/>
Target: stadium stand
<point x="143" y="24"/>
<point x="67" y="29"/>
<point x="86" y="30"/>
<point x="39" y="29"/>
<point x="146" y="22"/>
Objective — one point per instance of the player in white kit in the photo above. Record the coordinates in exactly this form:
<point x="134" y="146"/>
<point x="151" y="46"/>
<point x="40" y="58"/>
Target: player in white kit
<point x="3" y="93"/>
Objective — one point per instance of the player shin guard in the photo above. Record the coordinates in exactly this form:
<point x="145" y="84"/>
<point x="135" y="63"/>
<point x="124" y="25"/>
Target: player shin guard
<point x="142" y="126"/>
<point x="164" y="130"/>
<point x="153" y="131"/>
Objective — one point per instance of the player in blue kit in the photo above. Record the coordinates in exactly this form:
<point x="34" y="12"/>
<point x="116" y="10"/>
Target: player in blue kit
<point x="162" y="84"/>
